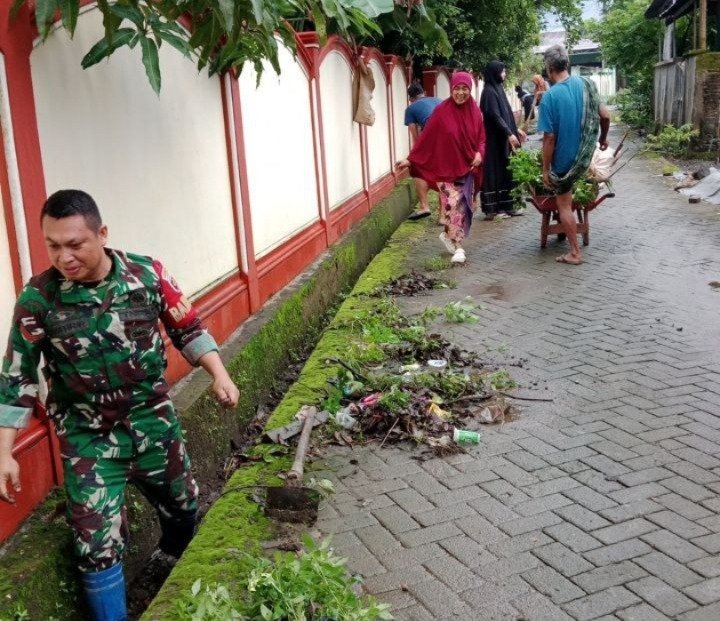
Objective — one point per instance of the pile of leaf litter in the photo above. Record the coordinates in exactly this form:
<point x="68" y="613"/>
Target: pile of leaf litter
<point x="400" y="381"/>
<point x="411" y="284"/>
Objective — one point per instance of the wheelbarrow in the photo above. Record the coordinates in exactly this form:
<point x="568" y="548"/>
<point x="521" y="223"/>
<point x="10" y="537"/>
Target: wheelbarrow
<point x="547" y="206"/>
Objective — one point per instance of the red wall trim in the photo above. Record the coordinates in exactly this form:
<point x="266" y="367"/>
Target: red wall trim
<point x="9" y="219"/>
<point x="254" y="290"/>
<point x="335" y="43"/>
<point x="16" y="39"/>
<point x="283" y="264"/>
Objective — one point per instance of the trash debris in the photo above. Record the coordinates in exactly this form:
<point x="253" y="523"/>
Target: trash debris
<point x="694" y="199"/>
<point x="436" y="410"/>
<point x="283" y="434"/>
<point x="715" y="284"/>
<point x="702" y="172"/>
<point x="415" y="387"/>
<point x="345" y="418"/>
<point x="707" y="189"/>
<point x="437" y="365"/>
<point x="465" y="436"/>
<point x="492" y="413"/>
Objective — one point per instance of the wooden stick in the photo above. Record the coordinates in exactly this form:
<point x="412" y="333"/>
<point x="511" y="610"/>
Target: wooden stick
<point x="507" y="394"/>
<point x="296" y="472"/>
<point x="387" y="435"/>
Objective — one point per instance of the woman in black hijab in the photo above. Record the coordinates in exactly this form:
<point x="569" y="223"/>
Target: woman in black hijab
<point x="503" y="137"/>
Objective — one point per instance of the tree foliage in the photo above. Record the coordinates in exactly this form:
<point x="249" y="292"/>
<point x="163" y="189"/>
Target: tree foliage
<point x="217" y="34"/>
<point x="629" y="42"/>
<point x="478" y="31"/>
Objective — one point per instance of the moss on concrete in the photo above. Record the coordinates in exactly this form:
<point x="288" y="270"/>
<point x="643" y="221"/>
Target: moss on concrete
<point x="310" y="387"/>
<point x="36" y="566"/>
<point x="235" y="525"/>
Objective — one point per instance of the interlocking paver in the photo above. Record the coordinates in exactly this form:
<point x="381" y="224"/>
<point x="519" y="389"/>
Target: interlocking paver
<point x="604" y="602"/>
<point x="549" y="582"/>
<point x="676" y="547"/>
<point x="642" y="612"/>
<point x="705" y="592"/>
<point x="561" y="558"/>
<point x="612" y="575"/>
<point x="613" y="488"/>
<point x="661" y="596"/>
<point x="624" y="530"/>
<point x="572" y="537"/>
<point x="668" y="570"/>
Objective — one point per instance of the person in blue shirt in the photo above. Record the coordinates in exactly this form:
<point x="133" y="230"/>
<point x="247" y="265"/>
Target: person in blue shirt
<point x="570" y="116"/>
<point x="416" y="115"/>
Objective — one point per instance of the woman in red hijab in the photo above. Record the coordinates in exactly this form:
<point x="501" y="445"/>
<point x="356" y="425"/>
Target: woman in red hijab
<point x="448" y="155"/>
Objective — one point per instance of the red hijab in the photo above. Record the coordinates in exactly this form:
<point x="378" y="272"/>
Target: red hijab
<point x="448" y="143"/>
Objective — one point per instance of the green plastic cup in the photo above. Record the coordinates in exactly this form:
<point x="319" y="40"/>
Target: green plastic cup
<point x="465" y="436"/>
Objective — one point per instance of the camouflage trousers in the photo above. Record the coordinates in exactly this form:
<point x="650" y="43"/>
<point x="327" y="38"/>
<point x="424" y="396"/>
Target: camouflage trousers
<point x="159" y="467"/>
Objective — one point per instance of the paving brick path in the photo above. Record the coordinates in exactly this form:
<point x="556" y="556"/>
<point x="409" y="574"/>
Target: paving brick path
<point x="602" y="504"/>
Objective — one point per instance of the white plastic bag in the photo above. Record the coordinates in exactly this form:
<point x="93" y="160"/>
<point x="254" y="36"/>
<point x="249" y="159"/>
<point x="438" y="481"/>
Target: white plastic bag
<point x="601" y="165"/>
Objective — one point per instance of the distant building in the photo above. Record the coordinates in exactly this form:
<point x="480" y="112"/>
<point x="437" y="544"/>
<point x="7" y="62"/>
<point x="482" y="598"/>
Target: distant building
<point x="585" y="59"/>
<point x="687" y="87"/>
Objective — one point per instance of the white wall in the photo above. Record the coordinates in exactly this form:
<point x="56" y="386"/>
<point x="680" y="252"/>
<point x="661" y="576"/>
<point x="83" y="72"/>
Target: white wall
<point x="341" y="133"/>
<point x="400" y="102"/>
<point x="378" y="134"/>
<point x="442" y="86"/>
<point x="157" y="166"/>
<point x="279" y="152"/>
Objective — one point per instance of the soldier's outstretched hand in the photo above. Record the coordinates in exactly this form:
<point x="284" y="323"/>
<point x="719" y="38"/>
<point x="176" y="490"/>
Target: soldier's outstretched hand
<point x="9" y="478"/>
<point x="225" y="392"/>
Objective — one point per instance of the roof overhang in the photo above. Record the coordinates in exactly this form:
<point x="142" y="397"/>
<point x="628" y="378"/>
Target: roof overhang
<point x="671" y="10"/>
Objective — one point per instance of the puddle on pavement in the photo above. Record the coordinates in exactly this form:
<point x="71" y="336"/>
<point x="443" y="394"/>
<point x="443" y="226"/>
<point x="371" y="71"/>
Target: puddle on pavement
<point x="517" y="291"/>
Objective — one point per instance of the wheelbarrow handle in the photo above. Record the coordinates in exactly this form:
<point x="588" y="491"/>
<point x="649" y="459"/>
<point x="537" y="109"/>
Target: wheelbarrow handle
<point x="296" y="472"/>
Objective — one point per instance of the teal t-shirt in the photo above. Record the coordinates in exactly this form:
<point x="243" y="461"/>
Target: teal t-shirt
<point x="561" y="113"/>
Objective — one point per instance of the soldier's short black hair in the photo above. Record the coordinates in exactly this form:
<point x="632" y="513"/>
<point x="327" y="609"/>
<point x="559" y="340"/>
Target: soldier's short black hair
<point x="415" y="90"/>
<point x="68" y="203"/>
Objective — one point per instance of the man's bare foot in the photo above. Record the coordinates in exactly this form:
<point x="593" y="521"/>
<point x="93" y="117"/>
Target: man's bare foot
<point x="570" y="259"/>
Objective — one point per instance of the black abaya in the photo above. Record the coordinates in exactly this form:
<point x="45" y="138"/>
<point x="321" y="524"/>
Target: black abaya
<point x="499" y="125"/>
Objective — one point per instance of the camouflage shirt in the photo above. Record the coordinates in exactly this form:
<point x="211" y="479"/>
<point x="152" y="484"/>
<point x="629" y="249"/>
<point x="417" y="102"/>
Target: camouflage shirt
<point x="103" y="352"/>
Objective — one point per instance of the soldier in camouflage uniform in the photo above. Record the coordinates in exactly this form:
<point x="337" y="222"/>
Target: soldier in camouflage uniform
<point x="94" y="317"/>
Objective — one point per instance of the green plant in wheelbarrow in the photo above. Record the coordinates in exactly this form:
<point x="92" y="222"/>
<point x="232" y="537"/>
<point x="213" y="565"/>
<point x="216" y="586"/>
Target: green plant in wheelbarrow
<point x="526" y="168"/>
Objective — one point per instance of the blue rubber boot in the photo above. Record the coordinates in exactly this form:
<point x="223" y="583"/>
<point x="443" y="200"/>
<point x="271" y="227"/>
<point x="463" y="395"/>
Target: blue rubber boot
<point x="105" y="592"/>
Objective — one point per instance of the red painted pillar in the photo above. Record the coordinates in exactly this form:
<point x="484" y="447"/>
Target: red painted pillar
<point x="16" y="39"/>
<point x="309" y="51"/>
<point x="252" y="273"/>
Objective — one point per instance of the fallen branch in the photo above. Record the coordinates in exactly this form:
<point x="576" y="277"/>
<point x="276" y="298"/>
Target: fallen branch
<point x="387" y="435"/>
<point x="507" y="394"/>
<point x="349" y="368"/>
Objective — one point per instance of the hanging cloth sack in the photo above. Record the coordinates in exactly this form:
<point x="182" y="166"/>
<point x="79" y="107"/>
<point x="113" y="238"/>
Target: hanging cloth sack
<point x="363" y="87"/>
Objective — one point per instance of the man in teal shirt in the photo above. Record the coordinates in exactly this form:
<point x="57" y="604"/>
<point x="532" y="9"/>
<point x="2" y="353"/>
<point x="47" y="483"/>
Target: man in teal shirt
<point x="567" y="118"/>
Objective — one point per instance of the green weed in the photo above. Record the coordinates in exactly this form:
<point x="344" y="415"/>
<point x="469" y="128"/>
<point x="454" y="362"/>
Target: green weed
<point x="436" y="264"/>
<point x="673" y="141"/>
<point x="288" y="588"/>
<point x="460" y="312"/>
<point x="501" y="380"/>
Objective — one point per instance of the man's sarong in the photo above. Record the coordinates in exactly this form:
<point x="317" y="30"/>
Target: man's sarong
<point x="588" y="140"/>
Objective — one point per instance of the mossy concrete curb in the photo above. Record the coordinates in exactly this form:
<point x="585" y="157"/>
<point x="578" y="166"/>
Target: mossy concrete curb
<point x="235" y="528"/>
<point x="36" y="566"/>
